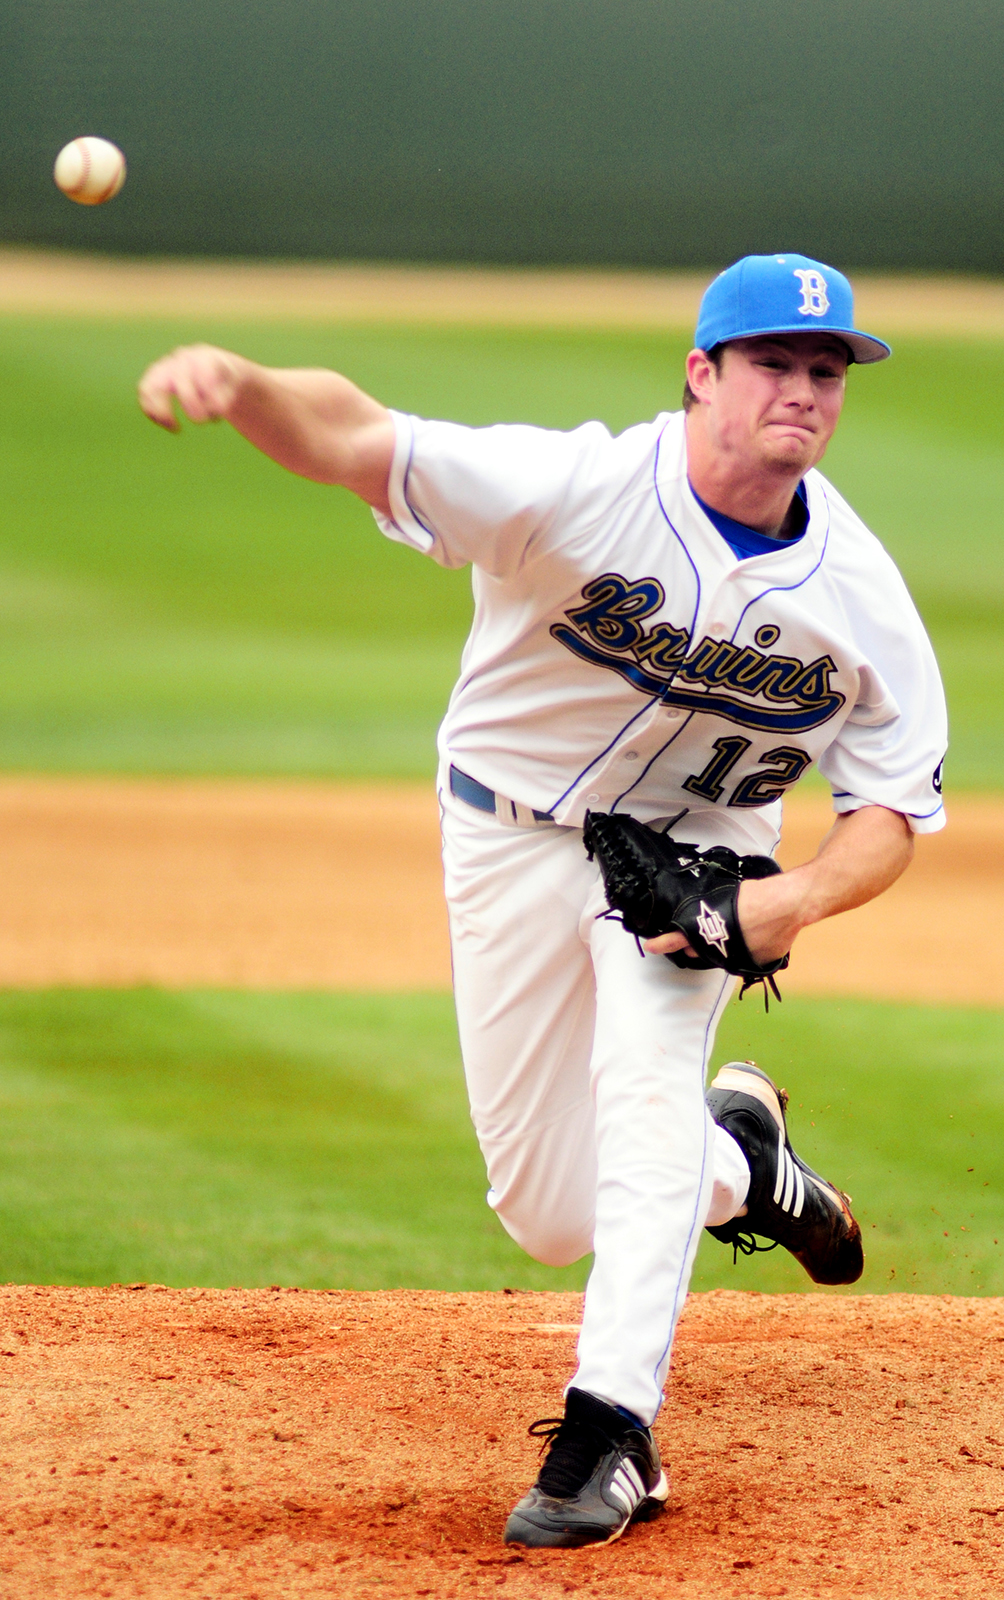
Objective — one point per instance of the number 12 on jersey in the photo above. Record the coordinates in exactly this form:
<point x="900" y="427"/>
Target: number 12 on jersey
<point x="781" y="768"/>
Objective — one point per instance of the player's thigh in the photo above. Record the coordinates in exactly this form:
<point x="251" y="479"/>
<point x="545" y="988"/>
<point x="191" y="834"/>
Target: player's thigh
<point x="525" y="1008"/>
<point x="522" y="971"/>
<point x="655" y="1026"/>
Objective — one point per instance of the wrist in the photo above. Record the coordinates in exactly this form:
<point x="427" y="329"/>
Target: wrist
<point x="248" y="387"/>
<point x="802" y="898"/>
<point x="772" y="912"/>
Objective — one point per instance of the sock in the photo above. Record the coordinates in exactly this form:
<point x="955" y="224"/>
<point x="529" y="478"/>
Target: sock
<point x="629" y="1416"/>
<point x="732" y="1181"/>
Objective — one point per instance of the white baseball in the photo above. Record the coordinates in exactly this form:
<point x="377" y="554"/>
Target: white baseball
<point x="90" y="170"/>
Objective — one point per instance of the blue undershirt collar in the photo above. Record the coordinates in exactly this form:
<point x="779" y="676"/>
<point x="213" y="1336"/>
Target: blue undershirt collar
<point x="745" y="541"/>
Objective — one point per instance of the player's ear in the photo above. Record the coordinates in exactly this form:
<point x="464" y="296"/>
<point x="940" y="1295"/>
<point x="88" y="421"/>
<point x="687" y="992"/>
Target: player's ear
<point x="701" y="376"/>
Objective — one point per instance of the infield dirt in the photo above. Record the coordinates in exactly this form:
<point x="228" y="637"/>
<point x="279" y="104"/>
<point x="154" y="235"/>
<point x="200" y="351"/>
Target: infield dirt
<point x="339" y="886"/>
<point x="80" y="283"/>
<point x="265" y="1444"/>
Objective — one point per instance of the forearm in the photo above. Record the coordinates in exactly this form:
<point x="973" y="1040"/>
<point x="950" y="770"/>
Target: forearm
<point x="864" y="852"/>
<point x="315" y="423"/>
<point x="862" y="855"/>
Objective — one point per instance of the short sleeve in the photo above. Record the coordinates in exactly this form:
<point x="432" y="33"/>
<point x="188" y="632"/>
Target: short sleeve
<point x="484" y="495"/>
<point x="895" y="761"/>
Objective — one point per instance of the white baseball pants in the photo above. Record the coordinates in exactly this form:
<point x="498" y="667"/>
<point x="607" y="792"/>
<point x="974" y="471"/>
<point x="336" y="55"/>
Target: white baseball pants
<point x="585" y="1065"/>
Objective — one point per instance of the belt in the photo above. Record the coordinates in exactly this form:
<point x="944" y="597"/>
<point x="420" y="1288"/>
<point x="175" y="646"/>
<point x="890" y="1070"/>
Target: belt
<point x="484" y="799"/>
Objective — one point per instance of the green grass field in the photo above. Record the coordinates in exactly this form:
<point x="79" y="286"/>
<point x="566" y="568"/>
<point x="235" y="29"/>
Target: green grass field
<point x="323" y="1140"/>
<point x="182" y="605"/>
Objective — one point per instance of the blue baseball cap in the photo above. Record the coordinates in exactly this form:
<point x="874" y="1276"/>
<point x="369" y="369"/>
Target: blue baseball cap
<point x="783" y="294"/>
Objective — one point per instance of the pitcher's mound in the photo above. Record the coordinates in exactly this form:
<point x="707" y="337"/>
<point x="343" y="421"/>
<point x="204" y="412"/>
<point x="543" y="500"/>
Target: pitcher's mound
<point x="273" y="1444"/>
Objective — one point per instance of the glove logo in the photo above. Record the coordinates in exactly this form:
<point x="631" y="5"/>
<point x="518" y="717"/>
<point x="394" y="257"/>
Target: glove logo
<point x="815" y="302"/>
<point x="713" y="929"/>
<point x="649" y="883"/>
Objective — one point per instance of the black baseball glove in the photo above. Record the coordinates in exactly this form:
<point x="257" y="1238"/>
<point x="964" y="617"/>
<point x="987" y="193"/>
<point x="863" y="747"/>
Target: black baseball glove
<point x="659" y="885"/>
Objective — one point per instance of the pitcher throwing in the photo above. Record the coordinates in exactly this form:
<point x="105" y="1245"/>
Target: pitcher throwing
<point x="673" y="625"/>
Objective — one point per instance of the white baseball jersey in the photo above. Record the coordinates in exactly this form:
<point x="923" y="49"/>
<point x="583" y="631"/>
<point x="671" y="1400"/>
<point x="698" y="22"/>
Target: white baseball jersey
<point x="622" y="656"/>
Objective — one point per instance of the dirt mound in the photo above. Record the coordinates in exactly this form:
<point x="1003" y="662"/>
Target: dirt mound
<point x="271" y="1444"/>
<point x="339" y="885"/>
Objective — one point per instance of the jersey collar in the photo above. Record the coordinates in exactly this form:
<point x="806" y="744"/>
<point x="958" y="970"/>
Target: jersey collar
<point x="787" y="562"/>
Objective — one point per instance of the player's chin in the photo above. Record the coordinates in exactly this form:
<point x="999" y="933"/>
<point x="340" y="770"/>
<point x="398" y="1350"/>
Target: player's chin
<point x="791" y="452"/>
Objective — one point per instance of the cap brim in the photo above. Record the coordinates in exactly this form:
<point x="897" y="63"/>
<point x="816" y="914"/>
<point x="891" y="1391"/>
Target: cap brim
<point x="864" y="347"/>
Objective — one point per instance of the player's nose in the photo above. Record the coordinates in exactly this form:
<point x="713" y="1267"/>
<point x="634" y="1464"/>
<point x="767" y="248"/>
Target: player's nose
<point x="798" y="390"/>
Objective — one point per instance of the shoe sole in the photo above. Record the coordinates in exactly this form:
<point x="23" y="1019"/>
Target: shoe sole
<point x="748" y="1079"/>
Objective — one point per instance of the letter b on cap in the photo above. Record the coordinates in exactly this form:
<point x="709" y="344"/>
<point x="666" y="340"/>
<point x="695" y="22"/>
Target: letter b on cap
<point x="814" y="299"/>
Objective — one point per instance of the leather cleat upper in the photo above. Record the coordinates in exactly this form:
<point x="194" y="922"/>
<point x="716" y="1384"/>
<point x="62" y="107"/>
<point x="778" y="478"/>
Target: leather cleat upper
<point x="601" y="1473"/>
<point x="787" y="1202"/>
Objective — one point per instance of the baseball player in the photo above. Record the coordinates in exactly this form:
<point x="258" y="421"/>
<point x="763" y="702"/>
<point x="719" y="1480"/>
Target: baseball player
<point x="675" y="623"/>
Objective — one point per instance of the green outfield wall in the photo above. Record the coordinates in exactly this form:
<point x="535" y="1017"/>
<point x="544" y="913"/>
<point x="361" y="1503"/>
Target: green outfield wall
<point x="656" y="132"/>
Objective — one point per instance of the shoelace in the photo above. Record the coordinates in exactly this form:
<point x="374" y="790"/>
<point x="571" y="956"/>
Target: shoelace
<point x="575" y="1449"/>
<point x="745" y="1244"/>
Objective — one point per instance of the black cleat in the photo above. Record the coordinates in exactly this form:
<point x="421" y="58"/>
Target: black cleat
<point x="600" y="1474"/>
<point x="788" y="1202"/>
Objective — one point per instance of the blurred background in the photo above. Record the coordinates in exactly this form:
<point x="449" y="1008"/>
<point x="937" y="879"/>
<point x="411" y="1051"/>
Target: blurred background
<point x="210" y="670"/>
<point x="645" y="132"/>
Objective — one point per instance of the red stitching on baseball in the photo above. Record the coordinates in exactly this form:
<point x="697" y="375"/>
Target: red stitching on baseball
<point x="85" y="156"/>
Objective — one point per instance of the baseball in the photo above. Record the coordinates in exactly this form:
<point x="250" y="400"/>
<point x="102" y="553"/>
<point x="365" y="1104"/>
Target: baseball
<point x="90" y="170"/>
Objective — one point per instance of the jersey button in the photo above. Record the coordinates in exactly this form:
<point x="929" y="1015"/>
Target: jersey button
<point x="630" y="755"/>
<point x="592" y="798"/>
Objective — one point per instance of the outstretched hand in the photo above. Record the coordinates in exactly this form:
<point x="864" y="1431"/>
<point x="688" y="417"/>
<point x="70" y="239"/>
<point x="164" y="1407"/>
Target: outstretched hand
<point x="312" y="422"/>
<point x="202" y="380"/>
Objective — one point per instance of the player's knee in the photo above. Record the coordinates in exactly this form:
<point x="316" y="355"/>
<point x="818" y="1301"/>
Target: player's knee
<point x="552" y="1242"/>
<point x="553" y="1250"/>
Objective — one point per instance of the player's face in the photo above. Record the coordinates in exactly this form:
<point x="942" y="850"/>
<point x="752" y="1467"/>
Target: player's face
<point x="777" y="400"/>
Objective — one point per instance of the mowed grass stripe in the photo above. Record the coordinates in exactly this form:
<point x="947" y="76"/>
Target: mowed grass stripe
<point x="220" y="1137"/>
<point x="184" y="606"/>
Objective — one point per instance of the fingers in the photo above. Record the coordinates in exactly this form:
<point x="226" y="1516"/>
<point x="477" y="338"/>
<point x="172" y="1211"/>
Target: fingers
<point x="155" y="390"/>
<point x="201" y="380"/>
<point x="668" y="944"/>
